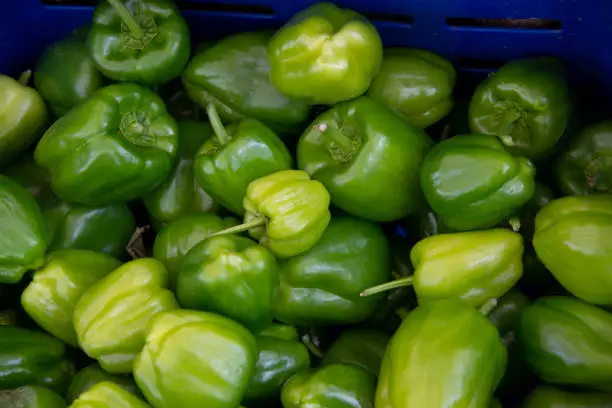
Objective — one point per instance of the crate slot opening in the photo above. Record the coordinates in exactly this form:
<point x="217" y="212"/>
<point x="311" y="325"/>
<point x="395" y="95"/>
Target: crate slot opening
<point x="390" y="18"/>
<point x="505" y="23"/>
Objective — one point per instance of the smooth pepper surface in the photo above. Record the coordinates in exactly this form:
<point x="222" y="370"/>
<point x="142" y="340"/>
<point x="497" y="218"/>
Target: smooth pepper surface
<point x="94" y="374"/>
<point x="368" y="157"/>
<point x="108" y="395"/>
<point x="31" y="397"/>
<point x="364" y="348"/>
<point x="118" y="145"/>
<point x="550" y="397"/>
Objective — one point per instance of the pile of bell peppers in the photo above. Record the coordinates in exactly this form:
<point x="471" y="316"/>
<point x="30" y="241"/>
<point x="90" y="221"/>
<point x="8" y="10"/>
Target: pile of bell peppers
<point x="297" y="218"/>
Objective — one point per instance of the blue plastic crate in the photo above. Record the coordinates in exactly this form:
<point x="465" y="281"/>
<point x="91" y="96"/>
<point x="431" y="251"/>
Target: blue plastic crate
<point x="577" y="31"/>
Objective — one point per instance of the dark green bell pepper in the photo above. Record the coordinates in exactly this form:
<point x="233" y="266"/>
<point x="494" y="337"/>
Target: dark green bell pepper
<point x="22" y="232"/>
<point x="50" y="298"/>
<point x="180" y="194"/>
<point x="108" y="395"/>
<point x="232" y="276"/>
<point x="325" y="55"/>
<point x="417" y="84"/>
<point x="118" y="145"/>
<point x="573" y="234"/>
<point x="245" y="151"/>
<point x="30" y="357"/>
<point x="368" y="157"/>
<point x="142" y="41"/>
<point x="551" y="397"/>
<point x="23" y="116"/>
<point x="585" y="167"/>
<point x="332" y="386"/>
<point x="280" y="356"/>
<point x="526" y="103"/>
<point x="364" y="348"/>
<point x="506" y="313"/>
<point x="567" y="341"/>
<point x="234" y="75"/>
<point x="171" y="372"/>
<point x="31" y="397"/>
<point x="66" y="75"/>
<point x="175" y="240"/>
<point x="473" y="183"/>
<point x="322" y="286"/>
<point x="94" y="374"/>
<point x="436" y="360"/>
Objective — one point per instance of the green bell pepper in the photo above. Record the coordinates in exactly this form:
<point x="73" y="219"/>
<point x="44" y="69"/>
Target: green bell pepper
<point x="572" y="234"/>
<point x="332" y="386"/>
<point x="526" y="103"/>
<point x="108" y="395"/>
<point x="436" y="360"/>
<point x="50" y="298"/>
<point x="66" y="75"/>
<point x="506" y="313"/>
<point x="22" y="232"/>
<point x="31" y="397"/>
<point x="111" y="317"/>
<point x="322" y="286"/>
<point x="232" y="276"/>
<point x="280" y="356"/>
<point x="93" y="374"/>
<point x="234" y="75"/>
<point x="143" y="41"/>
<point x="473" y="183"/>
<point x="585" y="167"/>
<point x="551" y="397"/>
<point x="325" y="55"/>
<point x="180" y="194"/>
<point x="175" y="240"/>
<point x="472" y="266"/>
<point x="368" y="157"/>
<point x="417" y="84"/>
<point x="104" y="229"/>
<point x="116" y="146"/>
<point x="23" y="116"/>
<point x="364" y="348"/>
<point x="567" y="341"/>
<point x="235" y="156"/>
<point x="171" y="372"/>
<point x="29" y="357"/>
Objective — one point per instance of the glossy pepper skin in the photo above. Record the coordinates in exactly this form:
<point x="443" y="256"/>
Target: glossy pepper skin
<point x="339" y="54"/>
<point x="363" y="348"/>
<point x="232" y="276"/>
<point x="108" y="395"/>
<point x="566" y="341"/>
<point x="30" y="357"/>
<point x="104" y="229"/>
<point x="473" y="183"/>
<point x="22" y="232"/>
<point x="31" y="397"/>
<point x="585" y="167"/>
<point x="551" y="397"/>
<point x="280" y="355"/>
<point x="507" y="312"/>
<point x="180" y="194"/>
<point x="571" y="236"/>
<point x="368" y="157"/>
<point x="23" y="116"/>
<point x="142" y="41"/>
<point x="66" y="75"/>
<point x="94" y="374"/>
<point x="322" y="285"/>
<point x="417" y="84"/>
<point x="462" y="369"/>
<point x="110" y="319"/>
<point x="234" y="75"/>
<point x="118" y="145"/>
<point x="526" y="103"/>
<point x="245" y="151"/>
<point x="56" y="288"/>
<point x="175" y="240"/>
<point x="170" y="372"/>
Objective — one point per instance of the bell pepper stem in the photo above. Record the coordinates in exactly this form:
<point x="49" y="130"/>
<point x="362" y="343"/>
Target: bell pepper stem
<point x="25" y="76"/>
<point x="127" y="18"/>
<point x="239" y="228"/>
<point x="336" y="138"/>
<point x="215" y="121"/>
<point x="515" y="224"/>
<point x="399" y="283"/>
<point x="488" y="306"/>
<point x="311" y="347"/>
